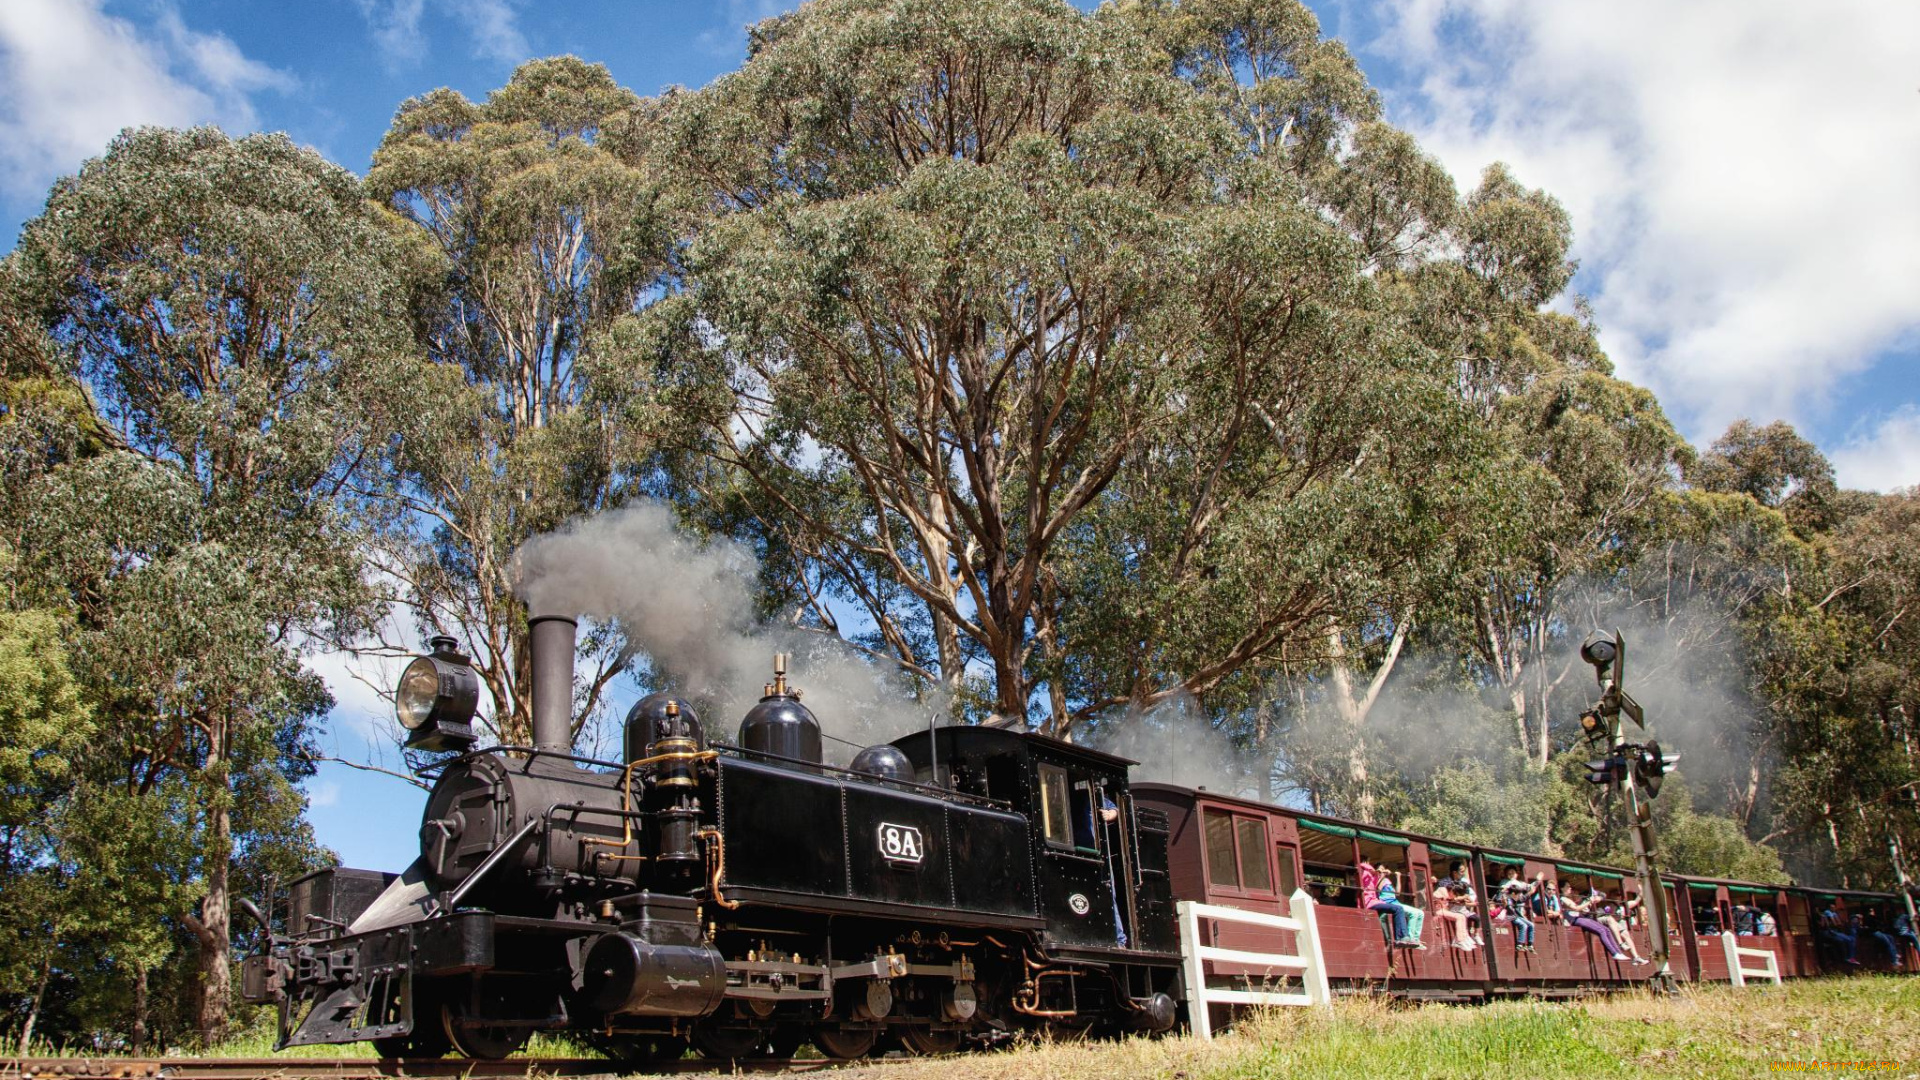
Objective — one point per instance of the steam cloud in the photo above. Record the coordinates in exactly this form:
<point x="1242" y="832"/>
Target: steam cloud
<point x="687" y="605"/>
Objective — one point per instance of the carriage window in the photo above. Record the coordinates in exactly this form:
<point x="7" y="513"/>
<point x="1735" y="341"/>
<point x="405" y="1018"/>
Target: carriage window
<point x="1056" y="810"/>
<point x="1253" y="854"/>
<point x="1222" y="869"/>
<point x="1237" y="852"/>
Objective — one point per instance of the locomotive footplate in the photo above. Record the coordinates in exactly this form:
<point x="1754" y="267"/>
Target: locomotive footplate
<point x="879" y="909"/>
<point x="358" y="984"/>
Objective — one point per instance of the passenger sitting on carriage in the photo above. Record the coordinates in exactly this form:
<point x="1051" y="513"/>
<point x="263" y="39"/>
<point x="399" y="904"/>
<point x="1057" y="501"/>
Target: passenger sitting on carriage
<point x="1833" y="931"/>
<point x="1706" y="920"/>
<point x="1903" y="930"/>
<point x="1516" y="894"/>
<point x="1875" y="927"/>
<point x="1378" y="893"/>
<point x="1745" y="920"/>
<point x="1763" y="924"/>
<point x="1466" y="900"/>
<point x="1446" y="908"/>
<point x="1613" y="916"/>
<point x="1576" y="914"/>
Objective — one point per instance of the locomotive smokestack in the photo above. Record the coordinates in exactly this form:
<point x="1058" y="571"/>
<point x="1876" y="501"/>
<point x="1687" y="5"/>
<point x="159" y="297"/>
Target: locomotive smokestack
<point x="552" y="634"/>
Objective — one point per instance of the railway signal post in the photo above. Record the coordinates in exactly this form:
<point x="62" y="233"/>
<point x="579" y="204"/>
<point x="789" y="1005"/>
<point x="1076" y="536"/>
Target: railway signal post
<point x="1636" y="769"/>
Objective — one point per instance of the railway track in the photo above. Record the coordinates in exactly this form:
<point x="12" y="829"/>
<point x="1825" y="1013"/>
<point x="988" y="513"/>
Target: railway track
<point x="112" y="1068"/>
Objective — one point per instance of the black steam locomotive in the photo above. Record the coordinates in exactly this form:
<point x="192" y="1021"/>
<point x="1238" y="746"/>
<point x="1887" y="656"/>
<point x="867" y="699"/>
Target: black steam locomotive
<point x="740" y="898"/>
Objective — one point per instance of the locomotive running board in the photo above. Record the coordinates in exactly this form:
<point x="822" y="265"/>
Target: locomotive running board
<point x="834" y="905"/>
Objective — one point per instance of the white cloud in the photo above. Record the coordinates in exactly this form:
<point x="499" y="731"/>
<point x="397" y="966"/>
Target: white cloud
<point x="496" y="33"/>
<point x="1741" y="174"/>
<point x="323" y="793"/>
<point x="396" y="27"/>
<point x="71" y="76"/>
<point x="1884" y="458"/>
<point x="493" y="26"/>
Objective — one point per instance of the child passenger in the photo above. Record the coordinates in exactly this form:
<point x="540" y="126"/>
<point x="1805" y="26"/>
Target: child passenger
<point x="1516" y="894"/>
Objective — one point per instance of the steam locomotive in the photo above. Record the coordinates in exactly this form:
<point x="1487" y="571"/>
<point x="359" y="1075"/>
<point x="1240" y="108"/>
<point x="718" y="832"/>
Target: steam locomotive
<point x="742" y="898"/>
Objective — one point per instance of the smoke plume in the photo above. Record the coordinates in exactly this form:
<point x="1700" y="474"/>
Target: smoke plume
<point x="687" y="605"/>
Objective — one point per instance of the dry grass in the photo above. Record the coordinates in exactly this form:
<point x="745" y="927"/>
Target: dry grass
<point x="1711" y="1032"/>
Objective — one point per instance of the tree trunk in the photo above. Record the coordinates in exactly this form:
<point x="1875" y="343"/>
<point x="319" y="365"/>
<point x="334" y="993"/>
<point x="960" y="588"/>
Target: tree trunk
<point x="215" y="924"/>
<point x="1517" y="695"/>
<point x="1010" y="684"/>
<point x="1355" y="719"/>
<point x="139" y="1033"/>
<point x="33" y="1008"/>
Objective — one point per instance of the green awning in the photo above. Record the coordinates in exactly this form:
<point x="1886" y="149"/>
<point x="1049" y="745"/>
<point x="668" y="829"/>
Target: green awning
<point x="1451" y="852"/>
<point x="1504" y="860"/>
<point x="1703" y="886"/>
<point x="1588" y="872"/>
<point x="1331" y="830"/>
<point x="1383" y="838"/>
<point x="1751" y="890"/>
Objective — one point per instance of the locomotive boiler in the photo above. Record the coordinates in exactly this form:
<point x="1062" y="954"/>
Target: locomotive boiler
<point x="738" y="896"/>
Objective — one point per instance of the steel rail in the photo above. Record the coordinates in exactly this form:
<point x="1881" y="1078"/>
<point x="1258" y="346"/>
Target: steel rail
<point x="126" y="1068"/>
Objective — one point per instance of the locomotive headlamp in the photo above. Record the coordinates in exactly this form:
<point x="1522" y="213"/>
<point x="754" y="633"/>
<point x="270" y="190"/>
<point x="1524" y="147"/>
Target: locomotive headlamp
<point x="436" y="699"/>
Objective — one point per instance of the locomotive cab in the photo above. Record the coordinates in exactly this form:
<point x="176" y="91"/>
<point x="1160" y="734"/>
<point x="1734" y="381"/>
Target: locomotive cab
<point x="1099" y="868"/>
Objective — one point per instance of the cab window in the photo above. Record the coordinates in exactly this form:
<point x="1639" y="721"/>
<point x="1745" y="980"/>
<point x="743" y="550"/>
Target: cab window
<point x="1056" y="811"/>
<point x="1085" y="813"/>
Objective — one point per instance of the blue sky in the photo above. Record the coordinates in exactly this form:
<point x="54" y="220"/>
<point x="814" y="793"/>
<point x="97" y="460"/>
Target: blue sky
<point x="1741" y="175"/>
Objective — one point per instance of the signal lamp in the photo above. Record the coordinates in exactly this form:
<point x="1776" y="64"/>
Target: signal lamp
<point x="1606" y="771"/>
<point x="436" y="699"/>
<point x="1590" y="723"/>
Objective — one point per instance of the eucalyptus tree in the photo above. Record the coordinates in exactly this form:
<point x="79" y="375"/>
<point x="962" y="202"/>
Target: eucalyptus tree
<point x="1585" y="461"/>
<point x="531" y="230"/>
<point x="1842" y="673"/>
<point x="1011" y="310"/>
<point x="231" y="308"/>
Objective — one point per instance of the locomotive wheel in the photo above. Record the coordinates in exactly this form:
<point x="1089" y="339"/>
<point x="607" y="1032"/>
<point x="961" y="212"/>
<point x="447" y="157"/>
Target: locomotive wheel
<point x="927" y="1042"/>
<point x="845" y="1044"/>
<point x="484" y="1042"/>
<point x="728" y="1043"/>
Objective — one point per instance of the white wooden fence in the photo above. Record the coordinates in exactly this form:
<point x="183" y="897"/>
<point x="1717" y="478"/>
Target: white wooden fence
<point x="1307" y="960"/>
<point x="1739" y="973"/>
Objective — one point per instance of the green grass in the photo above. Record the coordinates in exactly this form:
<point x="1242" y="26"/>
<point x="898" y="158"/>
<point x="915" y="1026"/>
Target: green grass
<point x="1712" y="1032"/>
